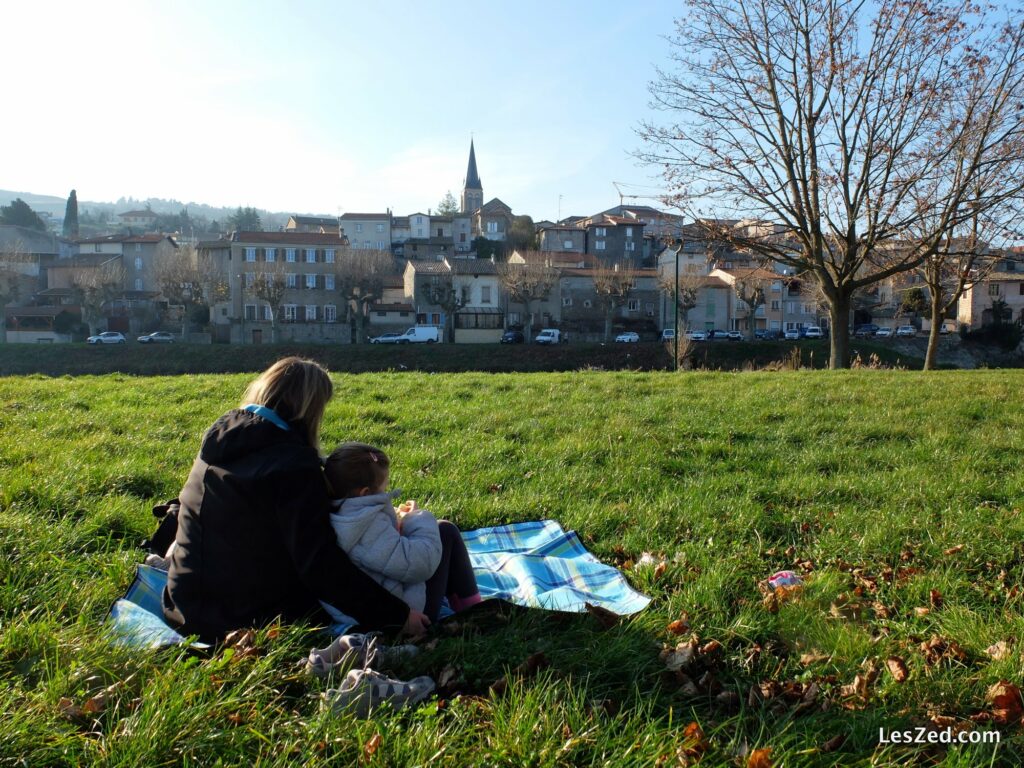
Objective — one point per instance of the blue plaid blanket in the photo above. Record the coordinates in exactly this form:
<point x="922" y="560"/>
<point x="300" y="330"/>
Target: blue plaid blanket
<point x="535" y="564"/>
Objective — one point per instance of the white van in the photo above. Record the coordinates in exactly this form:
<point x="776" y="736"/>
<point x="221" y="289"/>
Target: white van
<point x="548" y="336"/>
<point x="420" y="334"/>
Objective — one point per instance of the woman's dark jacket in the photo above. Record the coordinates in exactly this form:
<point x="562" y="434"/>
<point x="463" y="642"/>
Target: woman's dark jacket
<point x="254" y="540"/>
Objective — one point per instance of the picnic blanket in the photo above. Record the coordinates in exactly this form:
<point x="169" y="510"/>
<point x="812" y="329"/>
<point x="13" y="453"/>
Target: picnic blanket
<point x="533" y="564"/>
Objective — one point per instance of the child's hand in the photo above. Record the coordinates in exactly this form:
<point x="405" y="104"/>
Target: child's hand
<point x="406" y="508"/>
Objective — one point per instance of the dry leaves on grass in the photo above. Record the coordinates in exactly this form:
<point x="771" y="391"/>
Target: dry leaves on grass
<point x="370" y="747"/>
<point x="857" y="692"/>
<point x="781" y="595"/>
<point x="939" y="649"/>
<point x="760" y="758"/>
<point x="94" y="705"/>
<point x="1005" y="700"/>
<point x="999" y="651"/>
<point x="680" y="626"/>
<point x="897" y="668"/>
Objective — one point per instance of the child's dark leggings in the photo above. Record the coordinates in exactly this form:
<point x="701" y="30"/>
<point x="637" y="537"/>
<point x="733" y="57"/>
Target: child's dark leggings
<point x="454" y="575"/>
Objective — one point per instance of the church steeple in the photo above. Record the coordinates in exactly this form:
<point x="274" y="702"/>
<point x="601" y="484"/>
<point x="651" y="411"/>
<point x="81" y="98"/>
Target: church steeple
<point x="473" y="191"/>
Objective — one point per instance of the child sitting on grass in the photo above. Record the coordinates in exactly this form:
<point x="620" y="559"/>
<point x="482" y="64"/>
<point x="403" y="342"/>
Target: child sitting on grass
<point x="409" y="553"/>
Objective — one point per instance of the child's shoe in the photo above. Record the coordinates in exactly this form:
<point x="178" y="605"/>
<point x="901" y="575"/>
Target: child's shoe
<point x="362" y="690"/>
<point x="350" y="651"/>
<point x="346" y="652"/>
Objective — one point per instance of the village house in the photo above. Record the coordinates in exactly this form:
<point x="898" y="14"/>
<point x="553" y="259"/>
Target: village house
<point x="323" y="225"/>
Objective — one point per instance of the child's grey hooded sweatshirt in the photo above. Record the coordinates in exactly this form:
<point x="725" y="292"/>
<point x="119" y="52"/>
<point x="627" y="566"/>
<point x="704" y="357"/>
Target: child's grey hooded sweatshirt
<point x="367" y="529"/>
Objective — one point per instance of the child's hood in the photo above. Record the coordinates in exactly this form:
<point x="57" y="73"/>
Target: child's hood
<point x="352" y="517"/>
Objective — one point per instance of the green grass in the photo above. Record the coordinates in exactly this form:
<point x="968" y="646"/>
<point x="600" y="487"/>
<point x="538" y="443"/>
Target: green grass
<point x="727" y="476"/>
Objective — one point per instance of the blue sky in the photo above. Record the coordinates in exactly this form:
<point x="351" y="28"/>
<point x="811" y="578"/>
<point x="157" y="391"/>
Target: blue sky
<point x="324" y="107"/>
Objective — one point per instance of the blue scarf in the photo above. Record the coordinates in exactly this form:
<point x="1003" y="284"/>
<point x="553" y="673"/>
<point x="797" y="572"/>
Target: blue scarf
<point x="267" y="413"/>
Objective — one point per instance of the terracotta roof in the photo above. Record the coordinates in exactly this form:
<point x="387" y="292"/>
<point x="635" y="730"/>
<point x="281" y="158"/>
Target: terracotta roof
<point x="286" y="238"/>
<point x="494" y="205"/>
<point x="430" y="267"/>
<point x="325" y="221"/>
<point x="473" y="267"/>
<point x="85" y="260"/>
<point x="353" y="216"/>
<point x="46" y="311"/>
<point x="213" y="244"/>
<point x="394" y="281"/>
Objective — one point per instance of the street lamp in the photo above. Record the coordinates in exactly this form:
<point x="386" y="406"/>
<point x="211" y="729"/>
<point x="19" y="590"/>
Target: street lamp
<point x="675" y="323"/>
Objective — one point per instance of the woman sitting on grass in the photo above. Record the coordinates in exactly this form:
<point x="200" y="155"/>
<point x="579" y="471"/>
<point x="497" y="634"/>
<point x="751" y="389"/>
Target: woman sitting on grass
<point x="254" y="541"/>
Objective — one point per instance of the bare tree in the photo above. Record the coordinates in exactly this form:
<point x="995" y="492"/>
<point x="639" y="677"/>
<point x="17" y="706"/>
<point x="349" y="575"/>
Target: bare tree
<point x="187" y="280"/>
<point x="689" y="285"/>
<point x="269" y="285"/>
<point x="96" y="287"/>
<point x="360" y="276"/>
<point x="750" y="292"/>
<point x="829" y="118"/>
<point x="613" y="284"/>
<point x="528" y="283"/>
<point x="445" y="296"/>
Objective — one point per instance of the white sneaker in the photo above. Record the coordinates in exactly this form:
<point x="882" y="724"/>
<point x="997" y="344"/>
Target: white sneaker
<point x="356" y="650"/>
<point x="363" y="690"/>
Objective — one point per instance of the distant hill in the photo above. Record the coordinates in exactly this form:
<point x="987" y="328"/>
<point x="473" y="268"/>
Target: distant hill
<point x="54" y="206"/>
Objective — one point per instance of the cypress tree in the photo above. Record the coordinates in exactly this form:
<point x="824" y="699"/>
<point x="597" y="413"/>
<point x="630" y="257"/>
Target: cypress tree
<point x="71" y="216"/>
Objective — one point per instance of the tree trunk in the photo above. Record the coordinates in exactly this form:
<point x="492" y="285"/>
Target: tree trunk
<point x="839" y="336"/>
<point x="528" y="325"/>
<point x="932" y="353"/>
<point x="608" y="324"/>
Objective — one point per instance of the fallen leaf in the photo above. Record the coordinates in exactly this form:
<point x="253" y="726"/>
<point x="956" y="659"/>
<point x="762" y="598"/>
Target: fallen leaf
<point x="680" y="657"/>
<point x="954" y="550"/>
<point x="1006" y="702"/>
<point x="920" y="611"/>
<point x="370" y="747"/>
<point x="939" y="649"/>
<point x="813" y="657"/>
<point x="935" y="598"/>
<point x="880" y="610"/>
<point x="494" y="487"/>
<point x="659" y="570"/>
<point x="236" y="718"/>
<point x="69" y="709"/>
<point x="897" y="668"/>
<point x="694" y="742"/>
<point x="447" y="676"/>
<point x="680" y="626"/>
<point x="760" y="758"/>
<point x="834" y="743"/>
<point x="999" y="651"/>
<point x="728" y="700"/>
<point x="607" y="619"/>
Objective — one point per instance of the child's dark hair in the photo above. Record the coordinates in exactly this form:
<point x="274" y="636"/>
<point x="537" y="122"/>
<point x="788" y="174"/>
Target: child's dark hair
<point x="352" y="466"/>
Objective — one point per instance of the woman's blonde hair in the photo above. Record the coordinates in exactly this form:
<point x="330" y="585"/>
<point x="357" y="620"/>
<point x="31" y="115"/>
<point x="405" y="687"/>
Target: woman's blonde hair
<point x="297" y="390"/>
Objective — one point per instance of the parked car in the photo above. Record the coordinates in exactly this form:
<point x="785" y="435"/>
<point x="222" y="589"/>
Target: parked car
<point x="946" y="329"/>
<point x="548" y="336"/>
<point x="717" y="334"/>
<point x="735" y="336"/>
<point x="107" y="337"/>
<point x="629" y="337"/>
<point x="883" y="333"/>
<point x="906" y="330"/>
<point x="865" y="330"/>
<point x="792" y="334"/>
<point x="157" y="337"/>
<point x="766" y="334"/>
<point x="813" y="332"/>
<point x="696" y="335"/>
<point x="512" y="337"/>
<point x="420" y="334"/>
<point x="387" y="338"/>
<point x="668" y="334"/>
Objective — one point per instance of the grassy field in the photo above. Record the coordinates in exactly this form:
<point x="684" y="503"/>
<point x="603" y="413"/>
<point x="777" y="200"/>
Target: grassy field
<point x="897" y="494"/>
<point x="159" y="360"/>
